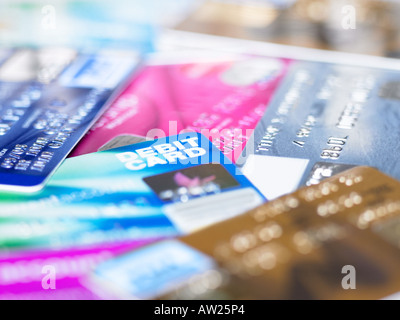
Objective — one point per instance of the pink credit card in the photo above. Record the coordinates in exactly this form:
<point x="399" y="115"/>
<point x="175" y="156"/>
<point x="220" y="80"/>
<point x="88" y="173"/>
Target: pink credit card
<point x="223" y="100"/>
<point x="54" y="275"/>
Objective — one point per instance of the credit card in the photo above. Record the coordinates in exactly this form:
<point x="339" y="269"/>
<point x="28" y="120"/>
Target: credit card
<point x="163" y="188"/>
<point x="323" y="119"/>
<point x="289" y="248"/>
<point x="49" y="99"/>
<point x="366" y="198"/>
<point x="222" y="99"/>
<point x="54" y="274"/>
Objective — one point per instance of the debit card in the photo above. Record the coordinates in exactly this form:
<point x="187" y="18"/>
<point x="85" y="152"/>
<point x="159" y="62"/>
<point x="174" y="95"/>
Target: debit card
<point x="162" y="188"/>
<point x="49" y="98"/>
<point x="300" y="246"/>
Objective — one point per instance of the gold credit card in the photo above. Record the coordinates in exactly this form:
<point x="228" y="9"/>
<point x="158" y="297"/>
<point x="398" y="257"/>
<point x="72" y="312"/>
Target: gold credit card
<point x="307" y="244"/>
<point x="358" y="26"/>
<point x="335" y="240"/>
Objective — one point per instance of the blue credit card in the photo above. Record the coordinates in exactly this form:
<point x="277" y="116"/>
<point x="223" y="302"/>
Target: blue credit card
<point x="323" y="119"/>
<point x="49" y="98"/>
<point x="149" y="272"/>
<point x="155" y="189"/>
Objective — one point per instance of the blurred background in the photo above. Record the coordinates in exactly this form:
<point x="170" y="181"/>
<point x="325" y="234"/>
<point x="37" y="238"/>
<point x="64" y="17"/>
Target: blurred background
<point x="358" y="26"/>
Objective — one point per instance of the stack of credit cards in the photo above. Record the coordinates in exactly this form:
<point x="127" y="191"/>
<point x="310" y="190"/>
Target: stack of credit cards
<point x="139" y="162"/>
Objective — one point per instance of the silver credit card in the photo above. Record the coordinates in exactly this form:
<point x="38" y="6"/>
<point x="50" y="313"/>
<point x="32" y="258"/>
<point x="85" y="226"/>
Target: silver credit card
<point x="323" y="119"/>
